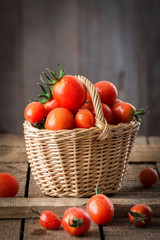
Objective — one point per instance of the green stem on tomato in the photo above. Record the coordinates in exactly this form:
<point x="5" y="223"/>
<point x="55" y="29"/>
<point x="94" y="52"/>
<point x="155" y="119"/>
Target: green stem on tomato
<point x="101" y="232"/>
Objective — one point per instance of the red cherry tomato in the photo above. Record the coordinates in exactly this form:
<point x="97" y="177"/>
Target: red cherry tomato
<point x="148" y="177"/>
<point x="70" y="92"/>
<point x="100" y="209"/>
<point x="140" y="215"/>
<point x="60" y="118"/>
<point x="84" y="119"/>
<point x="49" y="220"/>
<point x="117" y="101"/>
<point x="34" y="112"/>
<point x="50" y="105"/>
<point x="123" y="112"/>
<point x="106" y="111"/>
<point x="76" y="221"/>
<point x="107" y="92"/>
<point x="9" y="185"/>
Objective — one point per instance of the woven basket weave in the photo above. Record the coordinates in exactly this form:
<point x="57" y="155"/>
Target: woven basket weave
<point x="72" y="162"/>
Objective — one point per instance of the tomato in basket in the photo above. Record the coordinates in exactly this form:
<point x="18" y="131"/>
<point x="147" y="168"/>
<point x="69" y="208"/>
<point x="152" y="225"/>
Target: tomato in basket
<point x="107" y="92"/>
<point x="34" y="112"/>
<point x="70" y="92"/>
<point x="60" y="118"/>
<point x="126" y="112"/>
<point x="108" y="114"/>
<point x="50" y="105"/>
<point x="84" y="119"/>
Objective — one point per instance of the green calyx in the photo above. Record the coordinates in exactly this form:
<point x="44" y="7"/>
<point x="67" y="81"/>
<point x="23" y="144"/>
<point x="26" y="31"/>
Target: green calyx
<point x="142" y="111"/>
<point x="76" y="222"/>
<point x="51" y="81"/>
<point x="137" y="217"/>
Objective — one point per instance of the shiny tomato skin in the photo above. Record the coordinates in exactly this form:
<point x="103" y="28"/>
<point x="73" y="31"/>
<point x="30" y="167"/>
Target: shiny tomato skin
<point x="107" y="92"/>
<point x="84" y="119"/>
<point x="34" y="112"/>
<point x="49" y="220"/>
<point x="142" y="209"/>
<point x="50" y="105"/>
<point x="70" y="92"/>
<point x="117" y="101"/>
<point x="108" y="114"/>
<point x="72" y="213"/>
<point x="148" y="177"/>
<point x="60" y="118"/>
<point x="123" y="112"/>
<point x="9" y="185"/>
<point x="100" y="209"/>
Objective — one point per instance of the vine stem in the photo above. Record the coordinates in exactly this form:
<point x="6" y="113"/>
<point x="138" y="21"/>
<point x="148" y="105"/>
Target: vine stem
<point x="101" y="232"/>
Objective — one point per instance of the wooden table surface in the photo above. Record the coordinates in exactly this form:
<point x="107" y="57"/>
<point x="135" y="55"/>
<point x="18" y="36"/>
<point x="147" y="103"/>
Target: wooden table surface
<point x="18" y="222"/>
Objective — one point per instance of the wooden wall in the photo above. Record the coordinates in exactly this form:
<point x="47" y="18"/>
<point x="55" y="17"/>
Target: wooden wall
<point x="115" y="40"/>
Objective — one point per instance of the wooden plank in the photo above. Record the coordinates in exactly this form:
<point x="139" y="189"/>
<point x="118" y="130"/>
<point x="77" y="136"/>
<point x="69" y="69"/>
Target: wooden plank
<point x="132" y="187"/>
<point x="118" y="229"/>
<point x="144" y="152"/>
<point x="12" y="148"/>
<point x="19" y="170"/>
<point x="34" y="231"/>
<point x="22" y="207"/>
<point x="10" y="229"/>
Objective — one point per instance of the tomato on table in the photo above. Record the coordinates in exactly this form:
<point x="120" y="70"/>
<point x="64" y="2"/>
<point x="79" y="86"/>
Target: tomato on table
<point x="140" y="215"/>
<point x="76" y="221"/>
<point x="9" y="185"/>
<point x="148" y="177"/>
<point x="100" y="209"/>
<point x="49" y="220"/>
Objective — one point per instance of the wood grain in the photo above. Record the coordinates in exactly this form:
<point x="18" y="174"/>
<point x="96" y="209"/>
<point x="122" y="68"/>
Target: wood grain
<point x="22" y="207"/>
<point x="10" y="229"/>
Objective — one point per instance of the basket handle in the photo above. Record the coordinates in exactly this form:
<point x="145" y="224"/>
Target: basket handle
<point x="100" y="120"/>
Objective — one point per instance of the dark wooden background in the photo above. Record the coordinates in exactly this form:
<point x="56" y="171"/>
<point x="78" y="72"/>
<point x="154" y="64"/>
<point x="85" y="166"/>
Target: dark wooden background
<point x="115" y="40"/>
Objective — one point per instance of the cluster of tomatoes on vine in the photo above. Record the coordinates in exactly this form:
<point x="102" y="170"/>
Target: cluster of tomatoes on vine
<point x="66" y="104"/>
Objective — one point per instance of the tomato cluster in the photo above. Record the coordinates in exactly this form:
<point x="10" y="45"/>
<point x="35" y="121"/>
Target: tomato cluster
<point x="68" y="105"/>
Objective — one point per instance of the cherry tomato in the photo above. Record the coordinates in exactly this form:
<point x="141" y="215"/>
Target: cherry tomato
<point x="148" y="177"/>
<point x="49" y="220"/>
<point x="76" y="221"/>
<point x="100" y="209"/>
<point x="50" y="105"/>
<point x="9" y="185"/>
<point x="123" y="112"/>
<point x="84" y="119"/>
<point x="106" y="111"/>
<point x="70" y="92"/>
<point x="117" y="101"/>
<point x="60" y="118"/>
<point x="34" y="112"/>
<point x="107" y="92"/>
<point x="140" y="215"/>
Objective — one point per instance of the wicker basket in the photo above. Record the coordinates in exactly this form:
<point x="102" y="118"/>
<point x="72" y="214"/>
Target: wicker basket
<point x="72" y="162"/>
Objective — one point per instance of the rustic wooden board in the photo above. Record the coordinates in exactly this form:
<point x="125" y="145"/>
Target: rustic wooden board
<point x="12" y="148"/>
<point x="10" y="229"/>
<point x="34" y="231"/>
<point x="19" y="170"/>
<point x="22" y="207"/>
<point x="118" y="229"/>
